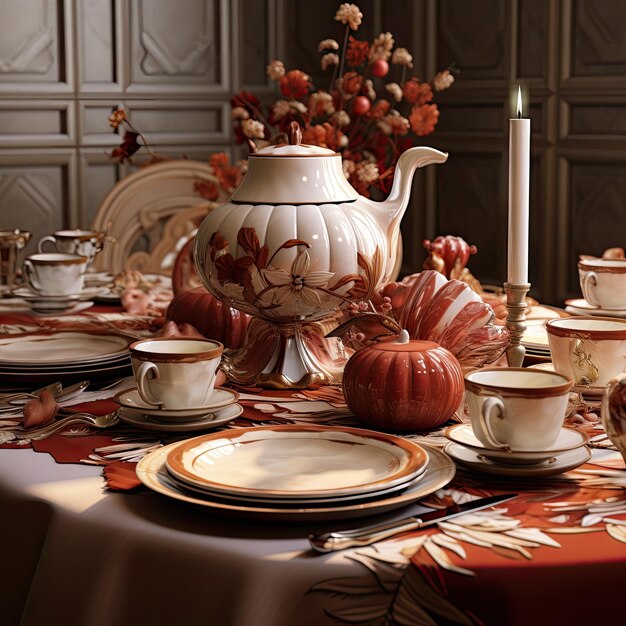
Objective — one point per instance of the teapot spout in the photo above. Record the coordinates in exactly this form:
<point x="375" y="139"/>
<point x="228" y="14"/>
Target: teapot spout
<point x="395" y="205"/>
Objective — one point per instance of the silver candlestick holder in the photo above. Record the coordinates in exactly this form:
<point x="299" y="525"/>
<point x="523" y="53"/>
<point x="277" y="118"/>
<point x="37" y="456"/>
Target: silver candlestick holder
<point x="516" y="321"/>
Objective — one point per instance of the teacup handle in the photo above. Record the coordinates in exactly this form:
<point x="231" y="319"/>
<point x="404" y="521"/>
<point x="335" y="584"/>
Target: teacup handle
<point x="493" y="408"/>
<point x="590" y="279"/>
<point x="29" y="271"/>
<point x="143" y="371"/>
<point x="45" y="239"/>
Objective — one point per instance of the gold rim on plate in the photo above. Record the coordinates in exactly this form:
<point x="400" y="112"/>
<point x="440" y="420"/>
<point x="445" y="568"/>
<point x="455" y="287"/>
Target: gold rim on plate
<point x="281" y="461"/>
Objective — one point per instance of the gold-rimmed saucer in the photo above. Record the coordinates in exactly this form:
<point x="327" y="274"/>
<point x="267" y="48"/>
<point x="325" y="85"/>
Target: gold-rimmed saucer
<point x="568" y="439"/>
<point x="556" y="464"/>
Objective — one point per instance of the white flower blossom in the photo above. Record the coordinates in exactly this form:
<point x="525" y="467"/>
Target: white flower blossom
<point x="330" y="58"/>
<point x="239" y="113"/>
<point x="253" y="129"/>
<point x="276" y="69"/>
<point x="381" y="47"/>
<point x="349" y="14"/>
<point x="395" y="90"/>
<point x="367" y="172"/>
<point x="443" y="80"/>
<point x="327" y="44"/>
<point x="341" y="119"/>
<point x="401" y="56"/>
<point x="321" y="101"/>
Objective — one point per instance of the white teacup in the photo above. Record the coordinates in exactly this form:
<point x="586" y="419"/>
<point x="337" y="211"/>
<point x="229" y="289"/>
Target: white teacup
<point x="589" y="350"/>
<point x="516" y="408"/>
<point x="83" y="242"/>
<point x="56" y="274"/>
<point x="176" y="373"/>
<point x="603" y="282"/>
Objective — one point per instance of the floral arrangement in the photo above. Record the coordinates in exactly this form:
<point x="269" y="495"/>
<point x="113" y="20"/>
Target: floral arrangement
<point x="373" y="110"/>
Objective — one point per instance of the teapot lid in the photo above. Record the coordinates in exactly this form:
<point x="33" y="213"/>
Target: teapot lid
<point x="295" y="147"/>
<point x="294" y="173"/>
<point x="301" y="149"/>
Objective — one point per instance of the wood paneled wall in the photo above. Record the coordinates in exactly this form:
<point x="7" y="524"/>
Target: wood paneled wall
<point x="64" y="64"/>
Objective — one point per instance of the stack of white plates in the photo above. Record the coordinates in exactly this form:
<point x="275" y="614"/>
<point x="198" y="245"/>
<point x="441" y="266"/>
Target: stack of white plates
<point x="535" y="339"/>
<point x="566" y="453"/>
<point x="297" y="472"/>
<point x="67" y="356"/>
<point x="221" y="409"/>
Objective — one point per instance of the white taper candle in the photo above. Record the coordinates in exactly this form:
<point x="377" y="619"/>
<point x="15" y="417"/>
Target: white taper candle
<point x="519" y="178"/>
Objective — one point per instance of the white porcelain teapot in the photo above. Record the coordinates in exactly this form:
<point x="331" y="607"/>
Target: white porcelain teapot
<point x="296" y="242"/>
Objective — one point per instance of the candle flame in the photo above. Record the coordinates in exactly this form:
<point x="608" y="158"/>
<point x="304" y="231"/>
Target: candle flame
<point x="519" y="101"/>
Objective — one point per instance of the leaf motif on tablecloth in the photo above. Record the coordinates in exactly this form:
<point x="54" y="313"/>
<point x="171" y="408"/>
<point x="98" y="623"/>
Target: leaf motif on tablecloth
<point x="617" y="531"/>
<point x="391" y="592"/>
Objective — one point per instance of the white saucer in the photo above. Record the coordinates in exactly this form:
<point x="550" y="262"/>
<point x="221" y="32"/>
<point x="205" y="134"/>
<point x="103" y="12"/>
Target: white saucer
<point x="43" y="311"/>
<point x="568" y="439"/>
<point x="205" y="422"/>
<point x="131" y="399"/>
<point x="32" y="296"/>
<point x="557" y="464"/>
<point x="580" y="306"/>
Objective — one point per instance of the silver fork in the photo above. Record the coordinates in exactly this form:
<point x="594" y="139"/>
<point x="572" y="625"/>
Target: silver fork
<point x="95" y="421"/>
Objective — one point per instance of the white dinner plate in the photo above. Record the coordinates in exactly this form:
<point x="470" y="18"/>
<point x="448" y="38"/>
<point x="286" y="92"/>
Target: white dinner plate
<point x="204" y="422"/>
<point x="536" y="336"/>
<point x="554" y="465"/>
<point x="152" y="472"/>
<point x="194" y="489"/>
<point x="59" y="347"/>
<point x="580" y="306"/>
<point x="294" y="461"/>
<point x="568" y="439"/>
<point x="220" y="397"/>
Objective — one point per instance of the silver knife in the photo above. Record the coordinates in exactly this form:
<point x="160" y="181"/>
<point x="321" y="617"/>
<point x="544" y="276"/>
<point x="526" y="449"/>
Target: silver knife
<point x="330" y="542"/>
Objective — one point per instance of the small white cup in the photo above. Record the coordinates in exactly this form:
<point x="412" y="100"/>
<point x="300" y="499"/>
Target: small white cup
<point x="83" y="242"/>
<point x="516" y="408"/>
<point x="176" y="373"/>
<point x="589" y="350"/>
<point x="603" y="282"/>
<point x="56" y="274"/>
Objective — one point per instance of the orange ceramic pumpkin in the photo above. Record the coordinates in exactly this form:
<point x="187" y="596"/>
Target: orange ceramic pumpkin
<point x="403" y="385"/>
<point x="213" y="318"/>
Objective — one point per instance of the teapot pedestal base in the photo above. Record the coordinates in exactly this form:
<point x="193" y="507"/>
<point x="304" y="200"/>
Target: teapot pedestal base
<point x="287" y="356"/>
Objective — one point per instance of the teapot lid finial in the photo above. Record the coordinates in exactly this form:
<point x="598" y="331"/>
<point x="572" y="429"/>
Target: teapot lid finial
<point x="295" y="134"/>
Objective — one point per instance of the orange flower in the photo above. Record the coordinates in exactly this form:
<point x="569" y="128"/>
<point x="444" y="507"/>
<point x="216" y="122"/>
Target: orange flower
<point x="295" y="84"/>
<point x="357" y="52"/>
<point x="379" y="109"/>
<point x="117" y="117"/>
<point x="351" y="83"/>
<point x="416" y="92"/>
<point x="206" y="189"/>
<point x="423" y="119"/>
<point x="324" y="135"/>
<point x="218" y="160"/>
